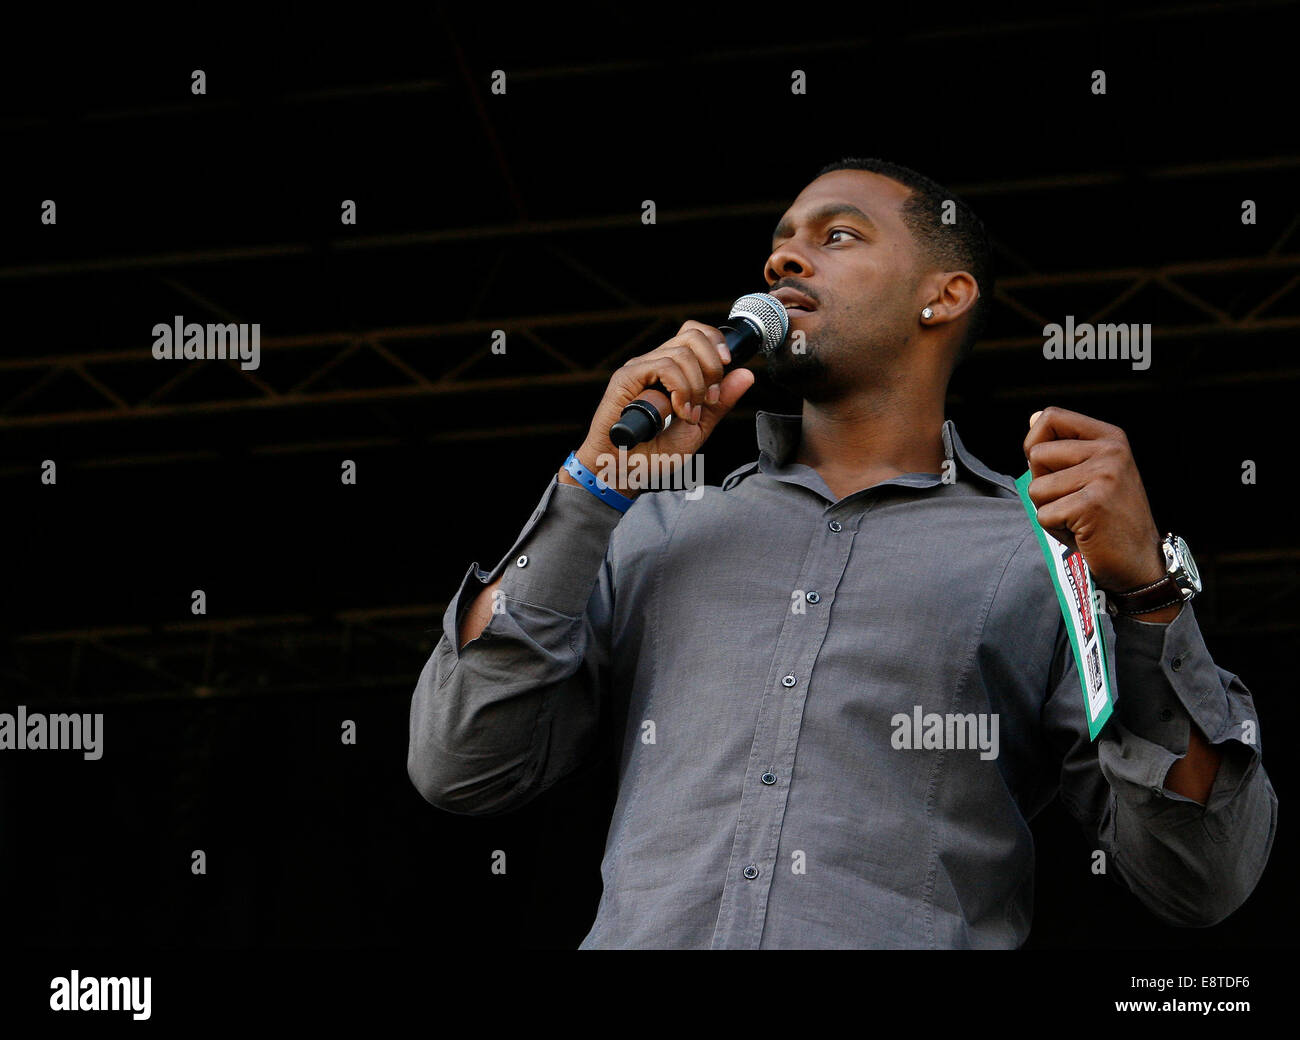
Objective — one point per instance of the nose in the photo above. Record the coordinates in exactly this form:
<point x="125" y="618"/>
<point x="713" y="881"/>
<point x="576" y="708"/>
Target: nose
<point x="786" y="259"/>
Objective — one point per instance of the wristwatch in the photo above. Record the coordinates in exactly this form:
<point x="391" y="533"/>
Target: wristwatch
<point x="1181" y="582"/>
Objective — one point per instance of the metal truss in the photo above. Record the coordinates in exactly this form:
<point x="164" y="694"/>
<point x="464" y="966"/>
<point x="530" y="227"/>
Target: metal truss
<point x="96" y="369"/>
<point x="47" y="395"/>
<point x="209" y="657"/>
<point x="1248" y="595"/>
<point x="414" y="360"/>
<point x="103" y="387"/>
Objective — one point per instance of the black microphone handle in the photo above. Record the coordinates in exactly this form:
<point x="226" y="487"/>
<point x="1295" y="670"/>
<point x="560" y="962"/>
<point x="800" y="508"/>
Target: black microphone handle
<point x="641" y="421"/>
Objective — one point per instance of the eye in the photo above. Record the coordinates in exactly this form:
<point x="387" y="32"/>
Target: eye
<point x="840" y="231"/>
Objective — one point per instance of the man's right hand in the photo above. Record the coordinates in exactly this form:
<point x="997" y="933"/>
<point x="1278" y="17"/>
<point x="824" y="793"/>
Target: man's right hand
<point x="690" y="365"/>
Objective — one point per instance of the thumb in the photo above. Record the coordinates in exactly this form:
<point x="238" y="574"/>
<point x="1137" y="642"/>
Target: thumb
<point x="733" y="385"/>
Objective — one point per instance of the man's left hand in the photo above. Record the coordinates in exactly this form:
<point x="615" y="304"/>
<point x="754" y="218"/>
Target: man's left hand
<point x="1090" y="497"/>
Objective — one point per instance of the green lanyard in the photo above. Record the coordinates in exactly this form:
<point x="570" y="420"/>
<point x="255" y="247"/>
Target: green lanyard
<point x="1074" y="591"/>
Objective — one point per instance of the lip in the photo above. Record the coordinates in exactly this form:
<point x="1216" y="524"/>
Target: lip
<point x="794" y="301"/>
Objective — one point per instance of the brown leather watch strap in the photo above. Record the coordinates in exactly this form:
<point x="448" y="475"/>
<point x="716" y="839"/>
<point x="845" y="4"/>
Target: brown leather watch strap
<point x="1146" y="598"/>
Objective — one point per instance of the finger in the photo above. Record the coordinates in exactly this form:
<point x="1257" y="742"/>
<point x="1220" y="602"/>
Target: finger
<point x="1051" y="486"/>
<point x="680" y="350"/>
<point x="713" y="335"/>
<point x="696" y="387"/>
<point x="1051" y="456"/>
<point x="664" y="368"/>
<point x="1064" y="537"/>
<point x="733" y="385"/>
<point x="694" y="349"/>
<point x="1061" y="516"/>
<point x="1055" y="423"/>
<point x="707" y="355"/>
<point x="684" y="388"/>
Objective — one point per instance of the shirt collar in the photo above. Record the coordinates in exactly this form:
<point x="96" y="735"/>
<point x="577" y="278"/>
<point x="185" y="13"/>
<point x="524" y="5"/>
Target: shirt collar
<point x="778" y="435"/>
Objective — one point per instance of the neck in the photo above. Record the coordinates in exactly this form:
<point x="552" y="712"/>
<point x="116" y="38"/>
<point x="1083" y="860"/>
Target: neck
<point x="857" y="441"/>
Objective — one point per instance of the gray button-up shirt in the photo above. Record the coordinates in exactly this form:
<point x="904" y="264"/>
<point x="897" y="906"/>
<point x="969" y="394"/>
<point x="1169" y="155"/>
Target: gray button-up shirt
<point x="760" y="645"/>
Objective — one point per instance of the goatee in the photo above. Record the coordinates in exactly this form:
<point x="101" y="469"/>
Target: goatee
<point x="804" y="374"/>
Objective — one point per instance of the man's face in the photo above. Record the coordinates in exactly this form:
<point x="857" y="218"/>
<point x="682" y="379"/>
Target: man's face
<point x="843" y="244"/>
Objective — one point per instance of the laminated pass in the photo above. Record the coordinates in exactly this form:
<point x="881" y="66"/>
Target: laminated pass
<point x="1077" y="597"/>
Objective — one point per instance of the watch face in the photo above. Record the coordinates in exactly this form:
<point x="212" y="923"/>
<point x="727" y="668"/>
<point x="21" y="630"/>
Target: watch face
<point x="1183" y="557"/>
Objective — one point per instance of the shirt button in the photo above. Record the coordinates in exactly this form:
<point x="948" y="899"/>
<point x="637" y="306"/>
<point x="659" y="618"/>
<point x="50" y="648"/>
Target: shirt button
<point x="813" y="597"/>
<point x="522" y="561"/>
<point x="751" y="872"/>
<point x="789" y="680"/>
<point x="768" y="778"/>
<point x="834" y="525"/>
<point x="1166" y="715"/>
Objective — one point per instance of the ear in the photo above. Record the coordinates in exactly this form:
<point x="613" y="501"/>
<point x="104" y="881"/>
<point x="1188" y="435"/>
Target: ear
<point x="954" y="295"/>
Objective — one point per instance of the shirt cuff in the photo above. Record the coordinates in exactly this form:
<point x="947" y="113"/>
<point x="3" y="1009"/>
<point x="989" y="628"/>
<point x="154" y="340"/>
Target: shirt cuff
<point x="1167" y="681"/>
<point x="554" y="561"/>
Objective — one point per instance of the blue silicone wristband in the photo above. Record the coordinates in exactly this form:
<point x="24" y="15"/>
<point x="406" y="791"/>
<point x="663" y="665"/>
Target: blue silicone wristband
<point x="595" y="485"/>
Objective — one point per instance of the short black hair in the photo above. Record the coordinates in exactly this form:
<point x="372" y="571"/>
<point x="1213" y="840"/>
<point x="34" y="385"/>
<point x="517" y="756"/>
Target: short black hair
<point x="961" y="246"/>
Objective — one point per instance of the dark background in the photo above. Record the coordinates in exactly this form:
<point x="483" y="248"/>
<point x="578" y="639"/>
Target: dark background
<point x="522" y="212"/>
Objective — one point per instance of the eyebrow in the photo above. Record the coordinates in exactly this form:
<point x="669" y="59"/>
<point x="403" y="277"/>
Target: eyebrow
<point x="833" y="209"/>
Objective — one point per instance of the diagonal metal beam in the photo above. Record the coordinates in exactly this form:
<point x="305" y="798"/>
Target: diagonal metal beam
<point x="609" y="222"/>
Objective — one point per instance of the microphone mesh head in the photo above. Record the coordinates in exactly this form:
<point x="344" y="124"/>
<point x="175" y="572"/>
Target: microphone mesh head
<point x="768" y="313"/>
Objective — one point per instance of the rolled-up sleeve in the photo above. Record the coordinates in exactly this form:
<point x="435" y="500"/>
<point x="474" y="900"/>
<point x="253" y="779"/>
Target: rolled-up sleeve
<point x="497" y="721"/>
<point x="1191" y="864"/>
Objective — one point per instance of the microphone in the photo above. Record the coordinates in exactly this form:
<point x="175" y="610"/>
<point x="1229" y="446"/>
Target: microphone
<point x="757" y="321"/>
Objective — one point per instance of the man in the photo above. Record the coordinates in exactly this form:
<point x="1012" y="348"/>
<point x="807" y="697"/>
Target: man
<point x="755" y="648"/>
